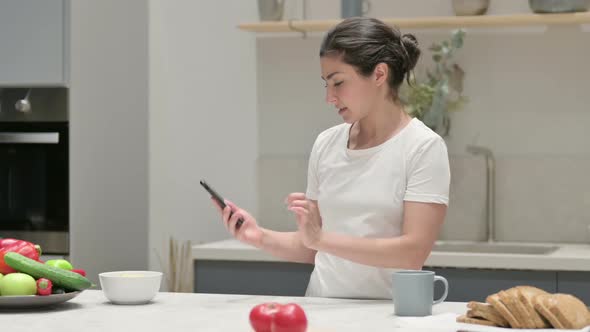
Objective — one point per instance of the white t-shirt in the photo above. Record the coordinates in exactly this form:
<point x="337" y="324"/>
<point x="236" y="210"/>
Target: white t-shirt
<point x="362" y="192"/>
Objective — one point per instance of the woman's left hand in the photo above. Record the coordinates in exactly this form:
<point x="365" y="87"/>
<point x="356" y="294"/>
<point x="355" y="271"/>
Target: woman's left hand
<point x="308" y="218"/>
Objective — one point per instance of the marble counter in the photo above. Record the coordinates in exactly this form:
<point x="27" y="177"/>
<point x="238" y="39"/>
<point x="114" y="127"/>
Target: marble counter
<point x="90" y="311"/>
<point x="569" y="257"/>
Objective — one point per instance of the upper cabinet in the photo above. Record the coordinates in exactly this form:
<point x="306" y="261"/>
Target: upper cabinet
<point x="33" y="42"/>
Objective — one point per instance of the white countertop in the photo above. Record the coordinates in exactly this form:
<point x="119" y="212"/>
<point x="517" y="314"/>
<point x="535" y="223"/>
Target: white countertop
<point x="90" y="311"/>
<point x="569" y="257"/>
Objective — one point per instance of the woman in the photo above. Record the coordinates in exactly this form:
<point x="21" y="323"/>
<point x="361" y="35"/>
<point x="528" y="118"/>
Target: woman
<point x="378" y="184"/>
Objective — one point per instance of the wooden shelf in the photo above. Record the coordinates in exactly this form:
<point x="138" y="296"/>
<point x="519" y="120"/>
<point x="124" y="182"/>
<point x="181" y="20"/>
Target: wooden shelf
<point x="433" y="22"/>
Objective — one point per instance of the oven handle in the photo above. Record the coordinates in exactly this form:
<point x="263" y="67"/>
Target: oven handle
<point x="29" y="138"/>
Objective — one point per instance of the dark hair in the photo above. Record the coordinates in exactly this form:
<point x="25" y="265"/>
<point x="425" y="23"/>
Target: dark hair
<point x="364" y="42"/>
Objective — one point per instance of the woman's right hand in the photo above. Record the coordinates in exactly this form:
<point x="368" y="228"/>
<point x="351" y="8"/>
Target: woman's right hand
<point x="249" y="232"/>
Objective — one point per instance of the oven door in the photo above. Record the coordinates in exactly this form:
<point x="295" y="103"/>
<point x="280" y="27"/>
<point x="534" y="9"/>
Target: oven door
<point x="34" y="184"/>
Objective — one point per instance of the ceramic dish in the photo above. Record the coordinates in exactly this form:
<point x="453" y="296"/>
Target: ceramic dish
<point x="32" y="301"/>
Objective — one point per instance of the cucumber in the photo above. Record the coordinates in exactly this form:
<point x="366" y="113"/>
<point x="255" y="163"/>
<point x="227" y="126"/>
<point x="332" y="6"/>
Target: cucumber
<point x="59" y="277"/>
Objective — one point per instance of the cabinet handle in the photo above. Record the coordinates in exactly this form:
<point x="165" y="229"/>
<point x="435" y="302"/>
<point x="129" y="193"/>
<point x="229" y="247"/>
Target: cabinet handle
<point x="29" y="138"/>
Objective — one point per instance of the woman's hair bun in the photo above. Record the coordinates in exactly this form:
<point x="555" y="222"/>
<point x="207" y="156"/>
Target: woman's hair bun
<point x="410" y="43"/>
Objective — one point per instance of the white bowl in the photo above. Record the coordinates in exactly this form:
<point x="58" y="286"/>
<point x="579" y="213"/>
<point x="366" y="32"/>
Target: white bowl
<point x="130" y="287"/>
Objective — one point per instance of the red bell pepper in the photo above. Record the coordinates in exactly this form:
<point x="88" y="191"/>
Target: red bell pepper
<point x="80" y="272"/>
<point x="22" y="247"/>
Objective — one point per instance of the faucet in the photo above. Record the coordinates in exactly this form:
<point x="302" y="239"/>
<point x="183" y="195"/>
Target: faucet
<point x="490" y="187"/>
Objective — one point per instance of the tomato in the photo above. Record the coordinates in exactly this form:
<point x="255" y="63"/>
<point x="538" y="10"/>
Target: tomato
<point x="290" y="318"/>
<point x="261" y="316"/>
<point x="275" y="317"/>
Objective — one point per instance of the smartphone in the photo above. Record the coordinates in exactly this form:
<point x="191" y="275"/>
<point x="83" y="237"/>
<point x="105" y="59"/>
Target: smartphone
<point x="219" y="201"/>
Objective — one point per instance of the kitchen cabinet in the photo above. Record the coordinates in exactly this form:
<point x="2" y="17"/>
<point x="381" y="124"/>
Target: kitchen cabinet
<point x="477" y="284"/>
<point x="576" y="283"/>
<point x="33" y="42"/>
<point x="249" y="277"/>
<point x="290" y="279"/>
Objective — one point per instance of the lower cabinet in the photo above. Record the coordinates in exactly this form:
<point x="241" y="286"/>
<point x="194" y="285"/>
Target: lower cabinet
<point x="575" y="283"/>
<point x="476" y="284"/>
<point x="253" y="278"/>
<point x="290" y="279"/>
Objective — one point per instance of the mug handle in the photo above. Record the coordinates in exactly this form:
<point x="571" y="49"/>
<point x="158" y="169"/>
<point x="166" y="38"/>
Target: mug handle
<point x="367" y="8"/>
<point x="446" y="292"/>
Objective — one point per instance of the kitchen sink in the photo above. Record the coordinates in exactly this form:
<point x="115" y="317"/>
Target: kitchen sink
<point x="494" y="248"/>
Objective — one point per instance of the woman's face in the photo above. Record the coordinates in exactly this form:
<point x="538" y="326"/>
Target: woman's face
<point x="353" y="95"/>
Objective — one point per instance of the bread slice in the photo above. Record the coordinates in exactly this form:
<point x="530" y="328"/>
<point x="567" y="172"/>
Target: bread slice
<point x="486" y="311"/>
<point x="510" y="298"/>
<point x="542" y="304"/>
<point x="571" y="312"/>
<point x="470" y="320"/>
<point x="525" y="296"/>
<point x="502" y="309"/>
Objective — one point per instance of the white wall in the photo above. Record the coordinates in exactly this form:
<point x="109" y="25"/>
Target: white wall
<point x="109" y="135"/>
<point x="202" y="117"/>
<point x="193" y="81"/>
<point x="528" y="103"/>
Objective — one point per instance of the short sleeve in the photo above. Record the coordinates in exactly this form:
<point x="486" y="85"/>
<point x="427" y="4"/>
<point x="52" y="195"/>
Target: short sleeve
<point x="312" y="191"/>
<point x="429" y="174"/>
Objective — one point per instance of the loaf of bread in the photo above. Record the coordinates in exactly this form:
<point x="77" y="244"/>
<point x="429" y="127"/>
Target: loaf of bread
<point x="487" y="312"/>
<point x="528" y="307"/>
<point x="498" y="301"/>
<point x="563" y="311"/>
<point x="471" y="320"/>
<point x="526" y="295"/>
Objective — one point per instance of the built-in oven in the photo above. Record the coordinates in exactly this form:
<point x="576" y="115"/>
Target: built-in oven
<point x="34" y="184"/>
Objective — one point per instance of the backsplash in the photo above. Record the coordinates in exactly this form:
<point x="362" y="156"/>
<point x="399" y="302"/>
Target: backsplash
<point x="538" y="199"/>
<point x="543" y="198"/>
<point x="466" y="215"/>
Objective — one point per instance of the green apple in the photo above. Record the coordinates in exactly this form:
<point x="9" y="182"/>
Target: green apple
<point x="60" y="263"/>
<point x="18" y="284"/>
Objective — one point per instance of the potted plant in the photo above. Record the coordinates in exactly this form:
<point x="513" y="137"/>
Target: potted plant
<point x="433" y="98"/>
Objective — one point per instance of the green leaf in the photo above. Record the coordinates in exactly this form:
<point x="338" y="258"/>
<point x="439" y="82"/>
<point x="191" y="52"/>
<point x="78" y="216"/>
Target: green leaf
<point x="446" y="51"/>
<point x="444" y="88"/>
<point x="435" y="48"/>
<point x="436" y="57"/>
<point x="457" y="43"/>
<point x="456" y="78"/>
<point x="434" y="116"/>
<point x="457" y="38"/>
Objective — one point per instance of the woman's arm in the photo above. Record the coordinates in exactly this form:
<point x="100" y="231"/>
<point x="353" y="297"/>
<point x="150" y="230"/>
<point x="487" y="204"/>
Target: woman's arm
<point x="286" y="245"/>
<point x="421" y="226"/>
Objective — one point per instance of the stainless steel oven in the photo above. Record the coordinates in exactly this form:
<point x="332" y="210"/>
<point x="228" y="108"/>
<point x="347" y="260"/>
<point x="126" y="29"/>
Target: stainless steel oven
<point x="34" y="183"/>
